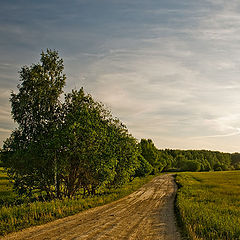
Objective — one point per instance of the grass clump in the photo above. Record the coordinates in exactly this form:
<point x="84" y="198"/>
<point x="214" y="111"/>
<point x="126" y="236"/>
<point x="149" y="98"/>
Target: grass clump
<point x="209" y="204"/>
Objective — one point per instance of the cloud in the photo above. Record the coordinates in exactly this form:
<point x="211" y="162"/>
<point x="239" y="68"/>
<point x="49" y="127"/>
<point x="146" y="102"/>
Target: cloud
<point x="3" y="130"/>
<point x="174" y="87"/>
<point x="168" y="69"/>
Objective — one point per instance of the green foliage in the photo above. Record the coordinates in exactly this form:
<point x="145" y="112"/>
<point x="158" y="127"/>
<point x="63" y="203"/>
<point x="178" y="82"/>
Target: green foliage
<point x="166" y="160"/>
<point x="127" y="157"/>
<point x="235" y="160"/>
<point x="97" y="148"/>
<point x="187" y="160"/>
<point x="35" y="106"/>
<point x="190" y="165"/>
<point x="28" y="153"/>
<point x="144" y="168"/>
<point x="201" y="160"/>
<point x="88" y="159"/>
<point x="180" y="161"/>
<point x="149" y="151"/>
<point x="208" y="204"/>
<point x="152" y="155"/>
<point x="60" y="148"/>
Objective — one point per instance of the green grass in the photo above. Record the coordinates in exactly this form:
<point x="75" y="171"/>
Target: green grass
<point x="209" y="204"/>
<point x="6" y="192"/>
<point x="16" y="217"/>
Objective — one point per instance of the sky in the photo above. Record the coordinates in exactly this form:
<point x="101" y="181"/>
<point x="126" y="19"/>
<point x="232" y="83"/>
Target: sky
<point x="168" y="69"/>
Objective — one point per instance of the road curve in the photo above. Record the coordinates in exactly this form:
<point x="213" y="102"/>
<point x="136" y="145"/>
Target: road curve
<point x="145" y="214"/>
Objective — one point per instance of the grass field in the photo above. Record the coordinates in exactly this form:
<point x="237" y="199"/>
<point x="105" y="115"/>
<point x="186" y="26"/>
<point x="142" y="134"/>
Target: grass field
<point x="209" y="204"/>
<point x="16" y="217"/>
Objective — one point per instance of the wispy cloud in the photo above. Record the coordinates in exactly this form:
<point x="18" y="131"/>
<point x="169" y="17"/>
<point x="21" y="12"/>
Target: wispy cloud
<point x="168" y="69"/>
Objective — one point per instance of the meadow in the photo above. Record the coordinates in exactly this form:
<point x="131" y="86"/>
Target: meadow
<point x="18" y="213"/>
<point x="208" y="205"/>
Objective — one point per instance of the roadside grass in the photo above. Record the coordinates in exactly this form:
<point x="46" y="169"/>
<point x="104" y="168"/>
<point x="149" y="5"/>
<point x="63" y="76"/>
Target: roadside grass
<point x="17" y="217"/>
<point x="209" y="204"/>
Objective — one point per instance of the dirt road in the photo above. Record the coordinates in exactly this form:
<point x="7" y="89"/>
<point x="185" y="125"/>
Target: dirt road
<point x="145" y="214"/>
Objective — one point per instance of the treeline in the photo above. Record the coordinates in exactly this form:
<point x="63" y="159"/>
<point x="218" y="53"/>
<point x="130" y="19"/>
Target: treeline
<point x="70" y="144"/>
<point x="199" y="160"/>
<point x="188" y="160"/>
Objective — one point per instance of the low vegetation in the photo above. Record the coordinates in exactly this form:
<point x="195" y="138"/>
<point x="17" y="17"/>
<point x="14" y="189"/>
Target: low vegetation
<point x="18" y="216"/>
<point x="209" y="204"/>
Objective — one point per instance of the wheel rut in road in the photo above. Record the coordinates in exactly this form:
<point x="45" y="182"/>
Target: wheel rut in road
<point x="145" y="214"/>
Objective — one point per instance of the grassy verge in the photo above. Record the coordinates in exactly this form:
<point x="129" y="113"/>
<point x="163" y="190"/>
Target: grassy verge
<point x="14" y="218"/>
<point x="209" y="204"/>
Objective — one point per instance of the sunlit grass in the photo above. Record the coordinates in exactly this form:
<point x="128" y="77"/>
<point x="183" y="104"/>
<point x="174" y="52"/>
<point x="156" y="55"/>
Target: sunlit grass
<point x="209" y="204"/>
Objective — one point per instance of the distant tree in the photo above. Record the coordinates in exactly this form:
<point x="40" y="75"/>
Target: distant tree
<point x="208" y="159"/>
<point x="217" y="167"/>
<point x="191" y="165"/>
<point x="205" y="165"/>
<point x="180" y="161"/>
<point x="152" y="155"/>
<point x="144" y="168"/>
<point x="166" y="160"/>
<point x="235" y="160"/>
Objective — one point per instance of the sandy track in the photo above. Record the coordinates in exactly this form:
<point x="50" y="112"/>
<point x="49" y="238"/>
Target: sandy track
<point x="145" y="214"/>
